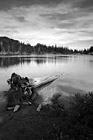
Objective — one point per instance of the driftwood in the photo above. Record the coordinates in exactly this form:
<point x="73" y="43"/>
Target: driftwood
<point x="20" y="92"/>
<point x="25" y="91"/>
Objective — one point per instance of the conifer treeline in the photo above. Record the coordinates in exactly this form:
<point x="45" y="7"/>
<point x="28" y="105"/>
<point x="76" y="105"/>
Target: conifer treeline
<point x="10" y="46"/>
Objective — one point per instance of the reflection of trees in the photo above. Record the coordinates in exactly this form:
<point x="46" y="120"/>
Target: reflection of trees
<point x="25" y="60"/>
<point x="63" y="59"/>
<point x="10" y="61"/>
<point x="53" y="59"/>
<point x="40" y="60"/>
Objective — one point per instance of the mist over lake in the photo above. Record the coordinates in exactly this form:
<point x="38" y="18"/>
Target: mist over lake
<point x="77" y="70"/>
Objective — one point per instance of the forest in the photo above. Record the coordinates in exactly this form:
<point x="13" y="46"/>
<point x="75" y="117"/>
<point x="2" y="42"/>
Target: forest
<point x="11" y="46"/>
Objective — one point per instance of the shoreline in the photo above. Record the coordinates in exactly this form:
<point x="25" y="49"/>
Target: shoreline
<point x="29" y="123"/>
<point x="40" y="55"/>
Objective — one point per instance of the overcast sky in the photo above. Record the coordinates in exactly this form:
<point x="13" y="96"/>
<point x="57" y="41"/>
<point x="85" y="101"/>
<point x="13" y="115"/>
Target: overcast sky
<point x="62" y="22"/>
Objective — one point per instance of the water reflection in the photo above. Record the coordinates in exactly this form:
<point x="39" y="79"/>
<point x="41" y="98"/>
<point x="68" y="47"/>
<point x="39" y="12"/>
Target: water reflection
<point x="77" y="69"/>
<point x="6" y="62"/>
<point x="40" y="61"/>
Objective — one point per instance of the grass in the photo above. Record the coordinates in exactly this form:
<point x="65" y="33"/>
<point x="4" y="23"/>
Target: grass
<point x="77" y="124"/>
<point x="53" y="122"/>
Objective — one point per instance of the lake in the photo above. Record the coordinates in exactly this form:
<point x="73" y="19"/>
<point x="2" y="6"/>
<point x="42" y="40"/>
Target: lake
<point x="77" y="70"/>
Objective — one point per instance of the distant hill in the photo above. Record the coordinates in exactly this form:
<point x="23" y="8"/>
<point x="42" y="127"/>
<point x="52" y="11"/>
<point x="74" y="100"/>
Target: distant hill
<point x="10" y="46"/>
<point x="90" y="50"/>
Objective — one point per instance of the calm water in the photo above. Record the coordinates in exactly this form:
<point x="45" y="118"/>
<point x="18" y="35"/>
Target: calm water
<point x="77" y="70"/>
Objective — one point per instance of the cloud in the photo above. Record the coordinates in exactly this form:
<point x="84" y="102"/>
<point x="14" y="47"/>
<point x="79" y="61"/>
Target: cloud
<point x="84" y="4"/>
<point x="9" y="4"/>
<point x="51" y="22"/>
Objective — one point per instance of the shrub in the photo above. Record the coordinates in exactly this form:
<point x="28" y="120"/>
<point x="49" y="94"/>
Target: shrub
<point x="78" y="124"/>
<point x="55" y="102"/>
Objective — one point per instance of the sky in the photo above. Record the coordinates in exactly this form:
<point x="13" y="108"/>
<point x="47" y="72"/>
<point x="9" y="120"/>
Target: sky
<point x="67" y="23"/>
